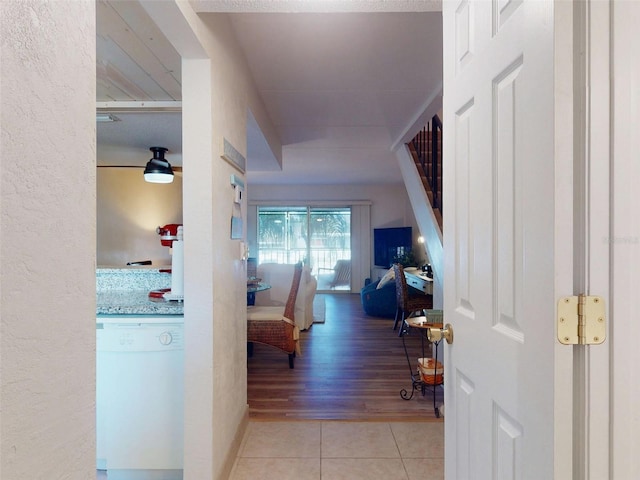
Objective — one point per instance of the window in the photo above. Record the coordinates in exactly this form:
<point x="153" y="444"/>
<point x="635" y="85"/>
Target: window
<point x="317" y="236"/>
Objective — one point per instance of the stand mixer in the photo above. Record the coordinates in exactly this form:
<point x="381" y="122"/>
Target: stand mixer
<point x="171" y="235"/>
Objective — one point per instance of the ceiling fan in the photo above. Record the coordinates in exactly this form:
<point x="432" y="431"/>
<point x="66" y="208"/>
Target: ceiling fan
<point x="157" y="170"/>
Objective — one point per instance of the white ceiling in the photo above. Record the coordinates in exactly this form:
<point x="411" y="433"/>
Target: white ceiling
<point x="340" y="88"/>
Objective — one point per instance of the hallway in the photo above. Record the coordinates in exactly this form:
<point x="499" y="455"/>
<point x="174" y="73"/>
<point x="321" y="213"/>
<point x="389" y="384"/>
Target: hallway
<point x="338" y="414"/>
<point x="331" y="450"/>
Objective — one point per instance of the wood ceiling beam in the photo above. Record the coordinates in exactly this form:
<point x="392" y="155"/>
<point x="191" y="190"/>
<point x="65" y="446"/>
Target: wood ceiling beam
<point x="147" y="106"/>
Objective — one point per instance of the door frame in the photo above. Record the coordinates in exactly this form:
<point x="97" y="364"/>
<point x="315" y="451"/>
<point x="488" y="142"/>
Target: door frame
<point x="624" y="242"/>
<point x="592" y="140"/>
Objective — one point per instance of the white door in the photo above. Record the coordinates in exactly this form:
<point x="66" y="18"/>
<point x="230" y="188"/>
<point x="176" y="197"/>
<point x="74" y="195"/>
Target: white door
<point x="507" y="242"/>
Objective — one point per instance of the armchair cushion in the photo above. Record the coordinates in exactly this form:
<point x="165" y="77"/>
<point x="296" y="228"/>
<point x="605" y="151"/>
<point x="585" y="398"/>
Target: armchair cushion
<point x="265" y="313"/>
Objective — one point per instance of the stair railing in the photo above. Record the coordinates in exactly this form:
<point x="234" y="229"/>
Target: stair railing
<point x="428" y="146"/>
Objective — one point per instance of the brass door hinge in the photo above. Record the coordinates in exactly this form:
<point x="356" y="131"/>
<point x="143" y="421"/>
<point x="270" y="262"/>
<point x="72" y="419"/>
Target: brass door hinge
<point x="581" y="320"/>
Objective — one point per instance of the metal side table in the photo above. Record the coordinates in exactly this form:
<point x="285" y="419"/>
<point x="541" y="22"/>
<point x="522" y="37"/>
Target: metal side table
<point x="422" y="377"/>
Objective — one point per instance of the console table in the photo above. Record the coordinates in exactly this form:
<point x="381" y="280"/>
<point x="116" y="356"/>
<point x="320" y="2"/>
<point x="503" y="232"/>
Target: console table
<point x="419" y="280"/>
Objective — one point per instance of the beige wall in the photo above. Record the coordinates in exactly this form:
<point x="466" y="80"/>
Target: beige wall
<point x="128" y="212"/>
<point x="47" y="240"/>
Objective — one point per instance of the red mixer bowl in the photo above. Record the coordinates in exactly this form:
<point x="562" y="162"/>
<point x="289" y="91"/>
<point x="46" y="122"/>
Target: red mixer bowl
<point x="168" y="233"/>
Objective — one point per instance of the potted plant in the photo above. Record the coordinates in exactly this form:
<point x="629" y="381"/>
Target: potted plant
<point x="406" y="259"/>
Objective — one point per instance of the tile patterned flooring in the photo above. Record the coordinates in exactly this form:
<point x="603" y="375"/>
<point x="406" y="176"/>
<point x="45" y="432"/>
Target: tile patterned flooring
<point x="375" y="449"/>
<point x="337" y="450"/>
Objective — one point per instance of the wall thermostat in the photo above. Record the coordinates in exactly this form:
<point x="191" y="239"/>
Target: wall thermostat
<point x="238" y="187"/>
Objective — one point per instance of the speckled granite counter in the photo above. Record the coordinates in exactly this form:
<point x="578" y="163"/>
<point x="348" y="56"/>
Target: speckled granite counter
<point x="134" y="302"/>
<point x="125" y="291"/>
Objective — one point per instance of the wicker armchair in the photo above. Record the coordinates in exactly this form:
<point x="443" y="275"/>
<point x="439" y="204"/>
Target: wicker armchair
<point x="275" y="325"/>
<point x="408" y="303"/>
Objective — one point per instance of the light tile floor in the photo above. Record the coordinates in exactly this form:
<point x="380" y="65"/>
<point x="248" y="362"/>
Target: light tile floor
<point x="332" y="450"/>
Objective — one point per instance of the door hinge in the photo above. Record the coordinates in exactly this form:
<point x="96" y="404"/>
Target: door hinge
<point x="581" y="320"/>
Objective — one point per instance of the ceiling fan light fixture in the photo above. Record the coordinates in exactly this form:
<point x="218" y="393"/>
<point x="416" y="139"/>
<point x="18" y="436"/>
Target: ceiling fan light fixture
<point x="158" y="170"/>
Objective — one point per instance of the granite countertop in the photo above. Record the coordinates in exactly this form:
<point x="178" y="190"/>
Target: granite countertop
<point x="125" y="291"/>
<point x="135" y="302"/>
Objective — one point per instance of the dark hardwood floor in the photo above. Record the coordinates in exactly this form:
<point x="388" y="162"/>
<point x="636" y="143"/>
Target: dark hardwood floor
<point x="352" y="367"/>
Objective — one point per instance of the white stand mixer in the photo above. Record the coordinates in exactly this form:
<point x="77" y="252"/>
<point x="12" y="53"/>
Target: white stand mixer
<point x="177" y="269"/>
<point x="171" y="235"/>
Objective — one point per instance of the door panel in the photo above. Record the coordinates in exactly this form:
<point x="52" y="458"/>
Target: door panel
<point x="500" y="281"/>
<point x="507" y="203"/>
<point x="464" y="402"/>
<point x="464" y="252"/>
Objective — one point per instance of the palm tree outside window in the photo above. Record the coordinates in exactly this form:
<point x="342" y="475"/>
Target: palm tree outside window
<point x="317" y="236"/>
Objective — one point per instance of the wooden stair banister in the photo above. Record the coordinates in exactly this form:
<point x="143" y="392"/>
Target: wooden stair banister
<point x="426" y="148"/>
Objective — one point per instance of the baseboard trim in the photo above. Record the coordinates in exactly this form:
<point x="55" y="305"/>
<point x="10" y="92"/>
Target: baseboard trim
<point x="235" y="446"/>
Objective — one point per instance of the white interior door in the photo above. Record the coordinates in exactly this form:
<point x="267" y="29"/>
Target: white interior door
<point x="507" y="242"/>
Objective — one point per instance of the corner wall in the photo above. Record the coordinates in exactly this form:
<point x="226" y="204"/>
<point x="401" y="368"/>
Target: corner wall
<point x="47" y="240"/>
<point x="217" y="95"/>
<point x="216" y="99"/>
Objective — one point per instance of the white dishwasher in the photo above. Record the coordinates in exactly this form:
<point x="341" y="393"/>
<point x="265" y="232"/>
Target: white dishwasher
<point x="139" y="397"/>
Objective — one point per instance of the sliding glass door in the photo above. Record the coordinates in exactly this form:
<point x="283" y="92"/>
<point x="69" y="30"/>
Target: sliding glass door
<point x="318" y="236"/>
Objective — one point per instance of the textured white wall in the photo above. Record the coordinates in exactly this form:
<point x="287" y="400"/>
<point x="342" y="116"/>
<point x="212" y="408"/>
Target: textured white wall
<point x="217" y="94"/>
<point x="198" y="270"/>
<point x="215" y="103"/>
<point x="47" y="240"/>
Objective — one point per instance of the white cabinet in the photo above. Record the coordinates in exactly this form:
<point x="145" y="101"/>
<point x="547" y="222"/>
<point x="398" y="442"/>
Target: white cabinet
<point x="420" y="281"/>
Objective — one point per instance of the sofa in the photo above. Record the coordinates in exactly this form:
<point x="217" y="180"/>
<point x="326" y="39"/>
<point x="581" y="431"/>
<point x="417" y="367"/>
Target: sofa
<point x="379" y="298"/>
<point x="379" y="302"/>
<point x="279" y="276"/>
